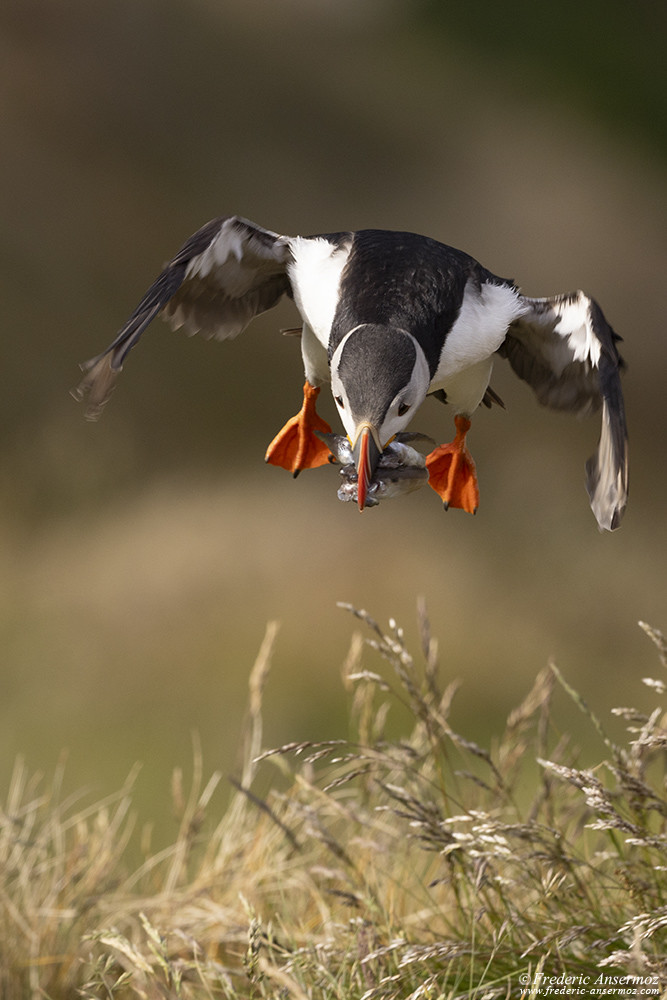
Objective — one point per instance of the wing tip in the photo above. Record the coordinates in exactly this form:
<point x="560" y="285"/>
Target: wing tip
<point x="608" y="493"/>
<point x="97" y="385"/>
<point x="607" y="472"/>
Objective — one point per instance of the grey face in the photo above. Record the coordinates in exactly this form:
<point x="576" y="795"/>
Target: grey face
<point x="379" y="378"/>
<point x="376" y="363"/>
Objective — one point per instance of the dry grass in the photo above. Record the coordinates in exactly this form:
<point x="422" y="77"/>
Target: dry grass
<point x="428" y="867"/>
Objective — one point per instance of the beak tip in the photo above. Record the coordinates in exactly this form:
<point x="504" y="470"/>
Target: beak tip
<point x="361" y="495"/>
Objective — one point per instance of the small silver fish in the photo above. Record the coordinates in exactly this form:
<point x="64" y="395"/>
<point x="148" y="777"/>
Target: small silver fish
<point x="401" y="469"/>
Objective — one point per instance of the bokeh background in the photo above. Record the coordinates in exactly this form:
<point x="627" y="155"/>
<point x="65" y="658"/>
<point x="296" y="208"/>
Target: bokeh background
<point x="143" y="555"/>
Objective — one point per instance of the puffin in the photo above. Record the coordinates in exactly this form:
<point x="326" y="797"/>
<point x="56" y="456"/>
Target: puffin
<point x="387" y="319"/>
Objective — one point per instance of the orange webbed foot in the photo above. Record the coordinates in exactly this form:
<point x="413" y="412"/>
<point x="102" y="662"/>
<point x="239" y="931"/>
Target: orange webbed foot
<point x="296" y="446"/>
<point x="451" y="471"/>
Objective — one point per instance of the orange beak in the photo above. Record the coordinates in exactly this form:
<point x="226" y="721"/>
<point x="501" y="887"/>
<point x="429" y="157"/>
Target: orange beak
<point x="366" y="452"/>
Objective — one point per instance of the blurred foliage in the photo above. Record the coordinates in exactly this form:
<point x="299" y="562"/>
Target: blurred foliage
<point x="143" y="555"/>
<point x="603" y="56"/>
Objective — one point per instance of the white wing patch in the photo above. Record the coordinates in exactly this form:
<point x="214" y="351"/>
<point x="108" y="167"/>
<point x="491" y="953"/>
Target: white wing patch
<point x="574" y="324"/>
<point x="315" y="276"/>
<point x="235" y="255"/>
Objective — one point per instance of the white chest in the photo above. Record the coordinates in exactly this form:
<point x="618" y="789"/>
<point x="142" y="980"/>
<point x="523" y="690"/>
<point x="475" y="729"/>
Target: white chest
<point x="315" y="275"/>
<point x="478" y="330"/>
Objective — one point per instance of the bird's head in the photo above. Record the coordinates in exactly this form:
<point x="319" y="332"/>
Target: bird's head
<point x="379" y="378"/>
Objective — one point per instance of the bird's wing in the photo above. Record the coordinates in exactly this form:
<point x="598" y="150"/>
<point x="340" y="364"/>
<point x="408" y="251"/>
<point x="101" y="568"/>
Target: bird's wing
<point x="566" y="351"/>
<point x="224" y="275"/>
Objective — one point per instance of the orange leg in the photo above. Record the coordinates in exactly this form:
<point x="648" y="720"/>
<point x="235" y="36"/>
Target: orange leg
<point x="296" y="447"/>
<point x="451" y="471"/>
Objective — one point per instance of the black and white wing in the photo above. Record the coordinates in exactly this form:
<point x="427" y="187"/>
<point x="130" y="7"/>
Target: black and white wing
<point x="224" y="275"/>
<point x="566" y="351"/>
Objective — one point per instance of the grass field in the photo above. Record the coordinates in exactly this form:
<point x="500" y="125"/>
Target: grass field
<point x="422" y="867"/>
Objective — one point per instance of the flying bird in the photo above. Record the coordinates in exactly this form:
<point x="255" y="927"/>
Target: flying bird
<point x="389" y="318"/>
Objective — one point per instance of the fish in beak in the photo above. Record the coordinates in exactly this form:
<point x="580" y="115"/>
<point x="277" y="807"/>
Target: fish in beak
<point x="366" y="452"/>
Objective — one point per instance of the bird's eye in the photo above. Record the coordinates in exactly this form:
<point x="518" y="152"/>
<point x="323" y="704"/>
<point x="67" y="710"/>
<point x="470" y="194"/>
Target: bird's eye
<point x="339" y="400"/>
<point x="403" y="408"/>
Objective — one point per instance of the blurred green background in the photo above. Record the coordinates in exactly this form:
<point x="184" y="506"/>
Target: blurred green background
<point x="143" y="555"/>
